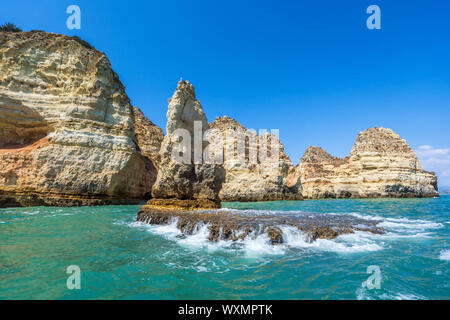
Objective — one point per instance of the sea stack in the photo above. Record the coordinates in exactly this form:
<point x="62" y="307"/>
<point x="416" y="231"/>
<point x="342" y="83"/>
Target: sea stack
<point x="256" y="179"/>
<point x="68" y="133"/>
<point x="189" y="183"/>
<point x="381" y="164"/>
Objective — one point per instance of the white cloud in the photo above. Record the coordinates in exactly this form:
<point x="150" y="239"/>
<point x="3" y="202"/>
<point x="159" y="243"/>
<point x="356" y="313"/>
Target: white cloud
<point x="437" y="160"/>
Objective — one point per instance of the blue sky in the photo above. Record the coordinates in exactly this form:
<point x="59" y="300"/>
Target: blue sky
<point x="311" y="69"/>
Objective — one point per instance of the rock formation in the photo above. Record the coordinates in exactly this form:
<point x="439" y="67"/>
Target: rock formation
<point x="233" y="226"/>
<point x="250" y="178"/>
<point x="148" y="136"/>
<point x="189" y="178"/>
<point x="68" y="134"/>
<point x="381" y="164"/>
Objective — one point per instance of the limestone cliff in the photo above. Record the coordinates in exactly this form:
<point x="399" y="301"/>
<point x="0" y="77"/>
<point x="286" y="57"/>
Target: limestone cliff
<point x="381" y="164"/>
<point x="188" y="178"/>
<point x="259" y="180"/>
<point x="68" y="134"/>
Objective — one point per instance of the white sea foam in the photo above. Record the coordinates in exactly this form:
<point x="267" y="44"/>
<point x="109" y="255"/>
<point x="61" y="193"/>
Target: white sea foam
<point x="400" y="296"/>
<point x="398" y="228"/>
<point x="259" y="244"/>
<point x="256" y="245"/>
<point x="404" y="223"/>
<point x="58" y="215"/>
<point x="396" y="236"/>
<point x="31" y="213"/>
<point x="347" y="243"/>
<point x="445" y="255"/>
<point x="201" y="269"/>
<point x="363" y="294"/>
<point x="198" y="239"/>
<point x="167" y="230"/>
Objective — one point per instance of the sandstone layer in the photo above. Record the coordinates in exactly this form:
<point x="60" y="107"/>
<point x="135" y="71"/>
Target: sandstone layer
<point x="187" y="177"/>
<point x="68" y="134"/>
<point x="248" y="175"/>
<point x="381" y="164"/>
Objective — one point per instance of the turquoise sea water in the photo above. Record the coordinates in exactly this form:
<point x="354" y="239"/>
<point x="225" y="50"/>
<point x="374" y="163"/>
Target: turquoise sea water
<point x="122" y="259"/>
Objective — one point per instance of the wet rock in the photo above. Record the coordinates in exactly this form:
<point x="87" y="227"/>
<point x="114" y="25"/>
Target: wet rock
<point x="234" y="226"/>
<point x="275" y="235"/>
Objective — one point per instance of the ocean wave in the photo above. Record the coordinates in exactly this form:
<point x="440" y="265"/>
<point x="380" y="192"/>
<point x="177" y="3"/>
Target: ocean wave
<point x="293" y="238"/>
<point x="346" y="243"/>
<point x="396" y="236"/>
<point x="402" y="227"/>
<point x="31" y="213"/>
<point x="363" y="293"/>
<point x="400" y="296"/>
<point x="259" y="244"/>
<point x="404" y="223"/>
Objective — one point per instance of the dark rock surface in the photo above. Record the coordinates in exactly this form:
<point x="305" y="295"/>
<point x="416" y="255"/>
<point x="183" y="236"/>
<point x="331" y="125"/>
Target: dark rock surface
<point x="233" y="226"/>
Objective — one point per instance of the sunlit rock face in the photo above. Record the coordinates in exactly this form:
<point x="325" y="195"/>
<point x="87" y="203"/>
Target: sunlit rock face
<point x="190" y="178"/>
<point x="248" y="176"/>
<point x="381" y="164"/>
<point x="68" y="134"/>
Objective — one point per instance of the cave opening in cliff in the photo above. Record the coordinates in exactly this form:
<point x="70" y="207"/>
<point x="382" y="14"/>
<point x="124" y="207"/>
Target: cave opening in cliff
<point x="20" y="126"/>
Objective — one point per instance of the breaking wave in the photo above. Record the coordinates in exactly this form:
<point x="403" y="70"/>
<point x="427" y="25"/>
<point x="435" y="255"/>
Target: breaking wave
<point x="295" y="239"/>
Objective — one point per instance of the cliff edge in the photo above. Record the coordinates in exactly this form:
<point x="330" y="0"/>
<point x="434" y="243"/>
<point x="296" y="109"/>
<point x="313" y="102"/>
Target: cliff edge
<point x="381" y="164"/>
<point x="68" y="134"/>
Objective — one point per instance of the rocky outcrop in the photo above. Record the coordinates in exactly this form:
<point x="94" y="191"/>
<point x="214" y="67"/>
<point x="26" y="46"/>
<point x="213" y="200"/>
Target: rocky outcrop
<point x="381" y="164"/>
<point x="186" y="176"/>
<point x="232" y="226"/>
<point x="148" y="139"/>
<point x="148" y="136"/>
<point x="68" y="134"/>
<point x="248" y="177"/>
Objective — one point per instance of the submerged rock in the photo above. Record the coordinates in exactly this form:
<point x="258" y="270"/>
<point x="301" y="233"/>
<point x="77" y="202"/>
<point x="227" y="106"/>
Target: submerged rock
<point x="381" y="164"/>
<point x="234" y="226"/>
<point x="68" y="134"/>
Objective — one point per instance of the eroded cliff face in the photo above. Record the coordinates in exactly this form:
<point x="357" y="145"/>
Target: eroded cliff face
<point x="68" y="134"/>
<point x="381" y="164"/>
<point x="248" y="177"/>
<point x="190" y="178"/>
